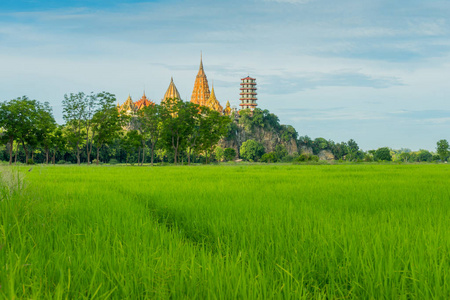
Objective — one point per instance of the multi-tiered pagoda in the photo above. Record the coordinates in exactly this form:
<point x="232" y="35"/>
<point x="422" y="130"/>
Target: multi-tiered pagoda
<point x="248" y="93"/>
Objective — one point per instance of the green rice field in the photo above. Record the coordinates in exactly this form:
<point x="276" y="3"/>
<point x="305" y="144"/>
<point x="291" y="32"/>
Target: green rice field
<point x="225" y="232"/>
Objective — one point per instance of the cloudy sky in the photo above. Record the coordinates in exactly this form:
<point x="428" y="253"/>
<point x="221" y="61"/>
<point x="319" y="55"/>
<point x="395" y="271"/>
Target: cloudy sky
<point x="377" y="71"/>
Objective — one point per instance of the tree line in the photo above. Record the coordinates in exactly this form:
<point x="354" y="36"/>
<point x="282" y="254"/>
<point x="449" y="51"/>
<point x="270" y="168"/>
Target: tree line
<point x="175" y="130"/>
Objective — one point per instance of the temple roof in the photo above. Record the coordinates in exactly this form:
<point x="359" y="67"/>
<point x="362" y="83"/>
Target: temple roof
<point x="201" y="93"/>
<point x="172" y="92"/>
<point x="248" y="77"/>
<point x="143" y="102"/>
<point x="227" y="110"/>
<point x="128" y="105"/>
<point x="213" y="103"/>
<point x="201" y="72"/>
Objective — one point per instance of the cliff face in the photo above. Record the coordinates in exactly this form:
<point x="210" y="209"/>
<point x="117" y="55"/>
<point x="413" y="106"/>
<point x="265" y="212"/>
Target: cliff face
<point x="266" y="136"/>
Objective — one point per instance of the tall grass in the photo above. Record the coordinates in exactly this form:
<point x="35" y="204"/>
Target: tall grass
<point x="228" y="232"/>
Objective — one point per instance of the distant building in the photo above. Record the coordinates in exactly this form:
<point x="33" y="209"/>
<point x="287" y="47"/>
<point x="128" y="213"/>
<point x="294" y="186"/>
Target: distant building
<point x="201" y="93"/>
<point x="172" y="92"/>
<point x="248" y="93"/>
<point x="143" y="102"/>
<point x="128" y="106"/>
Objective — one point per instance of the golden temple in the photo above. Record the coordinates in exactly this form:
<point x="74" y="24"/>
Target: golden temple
<point x="201" y="95"/>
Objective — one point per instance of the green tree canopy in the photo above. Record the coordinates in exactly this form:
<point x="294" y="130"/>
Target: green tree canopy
<point x="442" y="149"/>
<point x="251" y="150"/>
<point x="383" y="153"/>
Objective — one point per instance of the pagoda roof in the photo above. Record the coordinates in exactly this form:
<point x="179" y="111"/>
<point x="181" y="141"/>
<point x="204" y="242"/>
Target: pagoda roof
<point x="143" y="102"/>
<point x="128" y="105"/>
<point x="172" y="91"/>
<point x="213" y="103"/>
<point x="248" y="77"/>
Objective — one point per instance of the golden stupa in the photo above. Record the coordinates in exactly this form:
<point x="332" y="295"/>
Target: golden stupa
<point x="128" y="106"/>
<point x="172" y="92"/>
<point x="201" y="93"/>
<point x="213" y="103"/>
<point x="227" y="110"/>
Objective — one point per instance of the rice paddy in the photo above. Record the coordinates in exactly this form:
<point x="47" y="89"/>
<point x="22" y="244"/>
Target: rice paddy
<point x="225" y="232"/>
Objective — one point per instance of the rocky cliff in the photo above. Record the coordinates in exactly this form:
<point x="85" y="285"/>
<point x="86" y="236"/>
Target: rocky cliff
<point x="268" y="136"/>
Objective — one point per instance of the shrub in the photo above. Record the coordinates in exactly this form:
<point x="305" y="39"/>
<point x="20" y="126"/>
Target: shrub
<point x="251" y="150"/>
<point x="219" y="153"/>
<point x="288" y="159"/>
<point x="383" y="154"/>
<point x="229" y="154"/>
<point x="30" y="162"/>
<point x="113" y="161"/>
<point x="306" y="157"/>
<point x="269" y="157"/>
<point x="61" y="162"/>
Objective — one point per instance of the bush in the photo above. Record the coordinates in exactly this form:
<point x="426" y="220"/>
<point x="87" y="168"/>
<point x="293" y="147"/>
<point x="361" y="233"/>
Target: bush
<point x="269" y="157"/>
<point x="30" y="162"/>
<point x="61" y="162"/>
<point x="383" y="154"/>
<point x="113" y="161"/>
<point x="219" y="153"/>
<point x="229" y="154"/>
<point x="251" y="150"/>
<point x="306" y="157"/>
<point x="288" y="159"/>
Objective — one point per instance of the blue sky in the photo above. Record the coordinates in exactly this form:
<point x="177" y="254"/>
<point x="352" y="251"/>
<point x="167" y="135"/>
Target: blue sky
<point x="374" y="71"/>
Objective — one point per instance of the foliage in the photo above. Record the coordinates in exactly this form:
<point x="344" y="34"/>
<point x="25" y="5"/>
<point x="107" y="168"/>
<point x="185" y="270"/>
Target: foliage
<point x="383" y="154"/>
<point x="113" y="161"/>
<point x="305" y="157"/>
<point x="251" y="150"/>
<point x="269" y="157"/>
<point x="229" y="154"/>
<point x="424" y="155"/>
<point x="442" y="149"/>
<point x="219" y="153"/>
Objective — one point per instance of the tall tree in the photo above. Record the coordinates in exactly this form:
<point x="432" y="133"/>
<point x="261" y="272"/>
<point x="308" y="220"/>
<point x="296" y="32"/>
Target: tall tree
<point x="150" y="126"/>
<point x="10" y="122"/>
<point x="74" y="113"/>
<point x="177" y="124"/>
<point x="21" y="120"/>
<point x="46" y="126"/>
<point x="107" y="122"/>
<point x="91" y="106"/>
<point x="215" y="127"/>
<point x="442" y="149"/>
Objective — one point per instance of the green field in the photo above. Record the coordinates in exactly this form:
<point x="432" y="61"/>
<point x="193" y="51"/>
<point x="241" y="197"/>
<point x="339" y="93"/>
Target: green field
<point x="226" y="232"/>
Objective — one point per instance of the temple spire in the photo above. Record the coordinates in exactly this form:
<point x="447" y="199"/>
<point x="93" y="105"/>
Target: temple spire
<point x="201" y="93"/>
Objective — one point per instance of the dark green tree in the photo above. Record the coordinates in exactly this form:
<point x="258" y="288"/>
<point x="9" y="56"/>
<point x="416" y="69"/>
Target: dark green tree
<point x="150" y="126"/>
<point x="442" y="149"/>
<point x="229" y="154"/>
<point x="106" y="123"/>
<point x="383" y="154"/>
<point x="251" y="150"/>
<point x="74" y="114"/>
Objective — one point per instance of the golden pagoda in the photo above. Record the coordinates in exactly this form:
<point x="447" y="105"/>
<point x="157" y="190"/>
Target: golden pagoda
<point x="128" y="106"/>
<point x="201" y="93"/>
<point x="172" y="92"/>
<point x="213" y="103"/>
<point x="227" y="110"/>
<point x="143" y="102"/>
